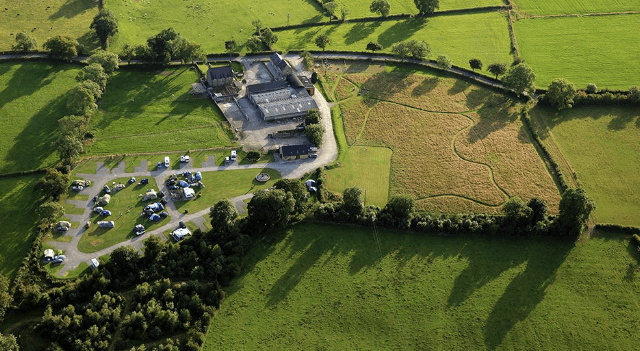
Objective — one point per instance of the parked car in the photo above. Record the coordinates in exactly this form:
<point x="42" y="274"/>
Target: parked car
<point x="166" y="161"/>
<point x="159" y="165"/>
<point x="58" y="259"/>
<point x="144" y="181"/>
<point x="132" y="180"/>
<point x="182" y="225"/>
<point x="77" y="188"/>
<point x="164" y="201"/>
<point x="234" y="155"/>
<point x="98" y="209"/>
<point x="164" y="214"/>
<point x="107" y="190"/>
<point x="313" y="155"/>
<point x="105" y="213"/>
<point x="185" y="158"/>
<point x="139" y="229"/>
<point x="106" y="224"/>
<point x="154" y="217"/>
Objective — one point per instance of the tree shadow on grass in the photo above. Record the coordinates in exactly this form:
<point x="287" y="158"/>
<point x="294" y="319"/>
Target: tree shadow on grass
<point x="27" y="79"/>
<point x="72" y="8"/>
<point x="496" y="112"/>
<point x="359" y="31"/>
<point x="401" y="30"/>
<point x="427" y="85"/>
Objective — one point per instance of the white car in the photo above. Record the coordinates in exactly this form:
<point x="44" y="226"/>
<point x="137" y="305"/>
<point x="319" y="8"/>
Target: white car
<point x="185" y="158"/>
<point x="166" y="162"/>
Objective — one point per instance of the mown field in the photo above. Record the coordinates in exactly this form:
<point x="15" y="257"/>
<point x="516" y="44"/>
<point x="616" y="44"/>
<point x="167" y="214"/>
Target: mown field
<point x="602" y="145"/>
<point x="360" y="8"/>
<point x="456" y="147"/>
<point x="32" y="99"/>
<point x="43" y="19"/>
<point x="602" y="49"/>
<point x="553" y="7"/>
<point x="330" y="287"/>
<point x="152" y="111"/>
<point x="18" y="218"/>
<point x="484" y="36"/>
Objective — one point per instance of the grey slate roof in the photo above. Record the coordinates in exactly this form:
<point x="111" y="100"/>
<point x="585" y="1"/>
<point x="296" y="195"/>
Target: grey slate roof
<point x="219" y="72"/>
<point x="294" y="150"/>
<point x="264" y="87"/>
<point x="279" y="61"/>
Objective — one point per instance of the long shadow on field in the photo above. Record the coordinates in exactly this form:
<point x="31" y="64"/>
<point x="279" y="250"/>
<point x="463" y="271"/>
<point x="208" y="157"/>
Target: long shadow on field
<point x="359" y="31"/>
<point x="400" y="31"/>
<point x="26" y="80"/>
<point x="72" y="8"/>
<point x="494" y="114"/>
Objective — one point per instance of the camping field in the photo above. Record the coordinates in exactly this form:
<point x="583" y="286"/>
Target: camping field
<point x="599" y="49"/>
<point x="330" y="287"/>
<point x="602" y="144"/>
<point x="32" y="99"/>
<point x="564" y="7"/>
<point x="153" y="111"/>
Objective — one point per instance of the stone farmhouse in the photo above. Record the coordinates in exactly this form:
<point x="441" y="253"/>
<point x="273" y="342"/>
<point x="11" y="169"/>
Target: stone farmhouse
<point x="219" y="76"/>
<point x="281" y="65"/>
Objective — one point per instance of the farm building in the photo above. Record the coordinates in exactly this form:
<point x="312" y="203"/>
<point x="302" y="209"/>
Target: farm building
<point x="280" y="64"/>
<point x="281" y="99"/>
<point x="219" y="76"/>
<point x="294" y="152"/>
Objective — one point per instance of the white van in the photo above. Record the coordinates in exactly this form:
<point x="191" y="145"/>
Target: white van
<point x="233" y="155"/>
<point x="166" y="161"/>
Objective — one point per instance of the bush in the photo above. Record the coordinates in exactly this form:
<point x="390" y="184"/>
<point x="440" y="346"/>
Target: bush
<point x="253" y="156"/>
<point x="591" y="88"/>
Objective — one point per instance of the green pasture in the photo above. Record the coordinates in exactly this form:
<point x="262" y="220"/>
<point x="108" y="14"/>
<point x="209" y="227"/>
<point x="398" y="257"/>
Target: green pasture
<point x="599" y="49"/>
<point x="360" y="8"/>
<point x="484" y="36"/>
<point x="221" y="185"/>
<point x="343" y="288"/>
<point x="18" y="218"/>
<point x="602" y="145"/>
<point x="207" y="23"/>
<point x="366" y="168"/>
<point x="125" y="207"/>
<point x="32" y="99"/>
<point x="43" y="19"/>
<point x="153" y="110"/>
<point x="563" y="7"/>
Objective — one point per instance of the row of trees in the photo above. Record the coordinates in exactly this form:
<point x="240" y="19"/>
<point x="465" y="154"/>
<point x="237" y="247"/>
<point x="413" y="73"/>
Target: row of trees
<point x="264" y="37"/>
<point x="562" y="94"/>
<point x="314" y="129"/>
<point x="425" y="7"/>
<point x="162" y="48"/>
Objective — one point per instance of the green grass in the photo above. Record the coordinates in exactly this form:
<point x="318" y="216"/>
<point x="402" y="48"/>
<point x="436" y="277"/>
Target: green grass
<point x="548" y="7"/>
<point x="152" y="111"/>
<point x="43" y="19"/>
<point x="125" y="207"/>
<point x="17" y="215"/>
<point x="207" y="23"/>
<point x="32" y="99"/>
<point x="483" y="36"/>
<point x="603" y="50"/>
<point x="366" y="168"/>
<point x="225" y="185"/>
<point x="360" y="8"/>
<point x="602" y="145"/>
<point x="333" y="288"/>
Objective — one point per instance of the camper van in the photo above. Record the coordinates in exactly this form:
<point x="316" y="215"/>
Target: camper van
<point x="166" y="161"/>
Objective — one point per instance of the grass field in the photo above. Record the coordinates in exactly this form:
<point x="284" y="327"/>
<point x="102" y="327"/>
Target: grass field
<point x="552" y="7"/>
<point x="32" y="99"/>
<point x="483" y="36"/>
<point x="151" y="111"/>
<point x="125" y="207"/>
<point x="601" y="49"/>
<point x="360" y="8"/>
<point x="17" y="215"/>
<point x="43" y="19"/>
<point x="330" y="287"/>
<point x="602" y="145"/>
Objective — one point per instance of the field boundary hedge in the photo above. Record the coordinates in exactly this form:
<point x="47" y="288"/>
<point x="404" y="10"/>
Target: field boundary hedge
<point x="618" y="228"/>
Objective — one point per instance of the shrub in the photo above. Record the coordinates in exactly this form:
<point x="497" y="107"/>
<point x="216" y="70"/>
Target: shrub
<point x="253" y="156"/>
<point x="591" y="88"/>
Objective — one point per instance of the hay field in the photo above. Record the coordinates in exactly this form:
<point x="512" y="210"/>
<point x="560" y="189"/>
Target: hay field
<point x="603" y="49"/>
<point x="32" y="99"/>
<point x="484" y="36"/>
<point x="43" y="19"/>
<point x="602" y="145"/>
<point x="561" y="7"/>
<point x="327" y="287"/>
<point x="151" y="111"/>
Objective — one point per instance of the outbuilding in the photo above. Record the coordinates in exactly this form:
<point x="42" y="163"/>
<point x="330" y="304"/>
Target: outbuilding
<point x="294" y="152"/>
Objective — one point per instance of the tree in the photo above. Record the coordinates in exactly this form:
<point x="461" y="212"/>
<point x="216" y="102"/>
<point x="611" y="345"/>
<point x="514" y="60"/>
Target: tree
<point x="426" y="7"/>
<point x="128" y="52"/>
<point x="497" y="69"/>
<point x="8" y="343"/>
<point x="82" y="98"/>
<point x="314" y="133"/>
<point x="352" y="201"/>
<point x="50" y="211"/>
<point x="475" y="64"/>
<point x="230" y="45"/>
<point x="269" y="38"/>
<point x="69" y="147"/>
<point x="517" y="216"/>
<point x="561" y="93"/>
<point x="398" y="211"/>
<point x="186" y="51"/>
<point x="25" y="43"/>
<point x="331" y="8"/>
<point x="160" y="46"/>
<point x="307" y="60"/>
<point x="297" y="190"/>
<point x="94" y="73"/>
<point x="322" y="41"/>
<point x="5" y="297"/>
<point x="223" y="216"/>
<point x="575" y="209"/>
<point x="313" y="117"/>
<point x="73" y="125"/>
<point x="381" y="7"/>
<point x="108" y="60"/>
<point x="344" y="12"/>
<point x="105" y="25"/>
<point x="416" y="49"/>
<point x="53" y="185"/>
<point x="443" y="62"/>
<point x="254" y="44"/>
<point x="257" y="24"/>
<point x="634" y="94"/>
<point x="539" y="208"/>
<point x="269" y="208"/>
<point x="520" y="78"/>
<point x="400" y="50"/>
<point x="61" y="47"/>
<point x="591" y="88"/>
<point x="374" y="46"/>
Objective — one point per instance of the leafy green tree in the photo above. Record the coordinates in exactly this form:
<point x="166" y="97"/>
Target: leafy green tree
<point x="575" y="209"/>
<point x="520" y="78"/>
<point x="331" y="7"/>
<point x="53" y="185"/>
<point x="223" y="216"/>
<point x="374" y="46"/>
<point x="592" y="88"/>
<point x="426" y="7"/>
<point x="381" y="7"/>
<point x="269" y="38"/>
<point x="352" y="201"/>
<point x="561" y="93"/>
<point x="257" y="24"/>
<point x="313" y="117"/>
<point x="497" y="69"/>
<point x="8" y="343"/>
<point x="268" y="209"/>
<point x="416" y="49"/>
<point x="443" y="61"/>
<point x="315" y="132"/>
<point x="128" y="52"/>
<point x="344" y="12"/>
<point x="82" y="98"/>
<point x="5" y="297"/>
<point x="186" y="51"/>
<point x="398" y="211"/>
<point x="254" y="44"/>
<point x="124" y="261"/>
<point x="307" y="60"/>
<point x="73" y="125"/>
<point x="539" y="208"/>
<point x="50" y="211"/>
<point x="634" y="94"/>
<point x="322" y="41"/>
<point x="230" y="46"/>
<point x="475" y="64"/>
<point x="69" y="147"/>
<point x="25" y="43"/>
<point x="401" y="50"/>
<point x="61" y="47"/>
<point x="95" y="73"/>
<point x="105" y="25"/>
<point x="297" y="190"/>
<point x="108" y="60"/>
<point x="517" y="215"/>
